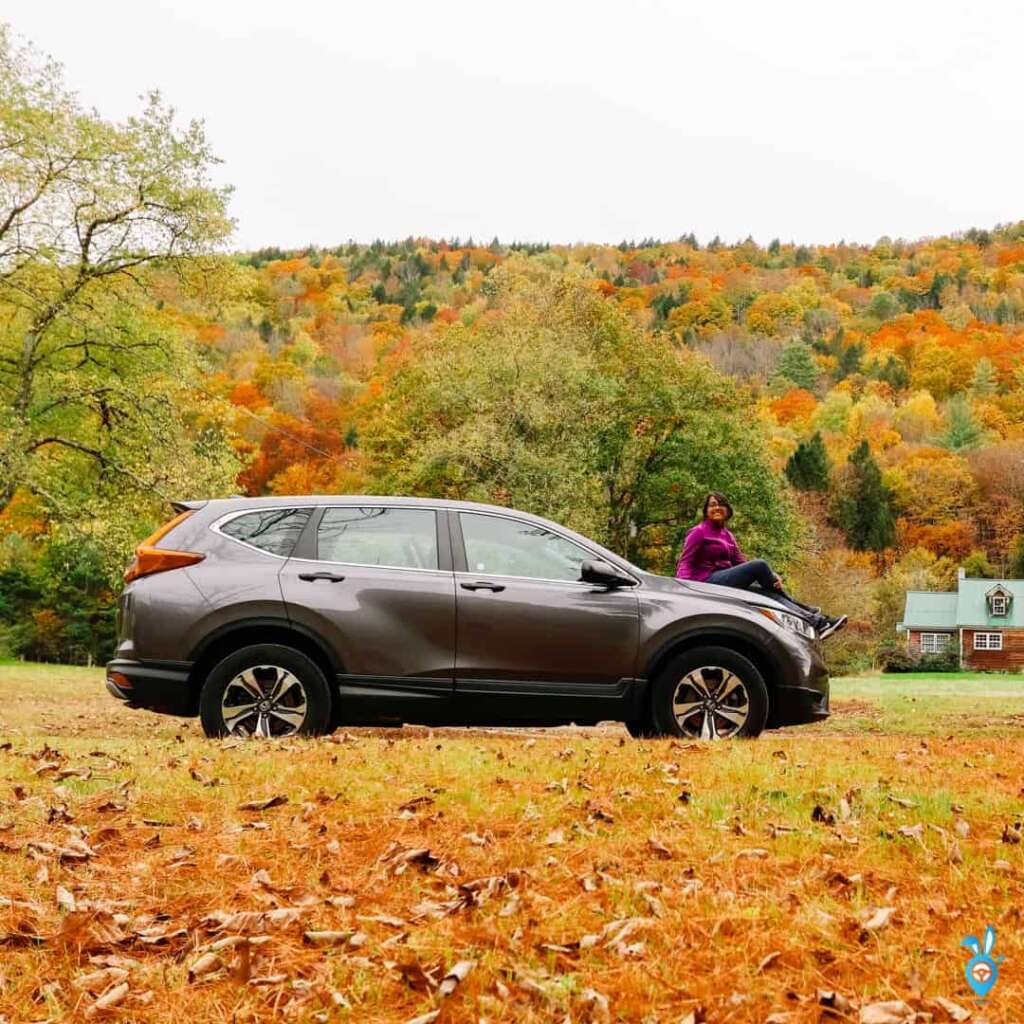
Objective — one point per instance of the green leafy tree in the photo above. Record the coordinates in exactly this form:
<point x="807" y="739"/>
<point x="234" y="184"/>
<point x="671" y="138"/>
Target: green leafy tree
<point x="98" y="412"/>
<point x="977" y="565"/>
<point x="864" y="508"/>
<point x="560" y="404"/>
<point x="796" y="367"/>
<point x="808" y="467"/>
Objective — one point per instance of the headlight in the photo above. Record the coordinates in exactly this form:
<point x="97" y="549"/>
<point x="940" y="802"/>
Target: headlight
<point x="793" y="622"/>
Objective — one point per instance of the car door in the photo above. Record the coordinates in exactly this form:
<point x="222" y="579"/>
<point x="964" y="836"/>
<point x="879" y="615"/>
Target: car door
<point x="376" y="583"/>
<point x="532" y="639"/>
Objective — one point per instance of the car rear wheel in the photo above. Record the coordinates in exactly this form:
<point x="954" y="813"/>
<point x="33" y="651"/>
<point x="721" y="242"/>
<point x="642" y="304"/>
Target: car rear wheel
<point x="709" y="693"/>
<point x="265" y="690"/>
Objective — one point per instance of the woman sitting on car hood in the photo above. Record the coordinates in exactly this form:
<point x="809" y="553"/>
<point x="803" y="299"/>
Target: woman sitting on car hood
<point x="711" y="555"/>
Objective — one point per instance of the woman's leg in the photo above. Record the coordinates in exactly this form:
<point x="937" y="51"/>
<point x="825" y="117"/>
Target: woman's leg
<point x="746" y="575"/>
<point x="758" y="573"/>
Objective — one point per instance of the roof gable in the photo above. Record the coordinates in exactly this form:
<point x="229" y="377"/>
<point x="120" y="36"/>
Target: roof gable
<point x="973" y="607"/>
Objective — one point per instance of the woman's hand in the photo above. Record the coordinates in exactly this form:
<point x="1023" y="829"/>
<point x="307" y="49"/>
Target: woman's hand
<point x="778" y="582"/>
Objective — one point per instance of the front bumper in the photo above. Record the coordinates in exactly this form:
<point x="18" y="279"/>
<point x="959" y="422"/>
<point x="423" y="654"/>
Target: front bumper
<point x="804" y="697"/>
<point x="797" y="705"/>
<point x="154" y="685"/>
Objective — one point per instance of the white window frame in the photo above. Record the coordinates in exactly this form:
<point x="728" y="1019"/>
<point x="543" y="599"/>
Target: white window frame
<point x="935" y="643"/>
<point x="999" y="604"/>
<point x="988" y="641"/>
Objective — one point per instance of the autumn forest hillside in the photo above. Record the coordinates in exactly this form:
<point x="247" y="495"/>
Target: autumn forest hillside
<point x="882" y="386"/>
<point x="879" y="389"/>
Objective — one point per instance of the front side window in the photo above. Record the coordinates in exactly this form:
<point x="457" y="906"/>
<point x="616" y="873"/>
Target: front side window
<point x="274" y="530"/>
<point x="399" y="538"/>
<point x="988" y="641"/>
<point x="934" y="643"/>
<point x="507" y="547"/>
<point x="998" y="605"/>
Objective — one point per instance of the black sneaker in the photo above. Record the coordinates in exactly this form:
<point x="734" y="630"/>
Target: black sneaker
<point x="832" y="626"/>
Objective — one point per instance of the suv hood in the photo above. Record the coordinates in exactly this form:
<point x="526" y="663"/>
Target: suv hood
<point x="728" y="595"/>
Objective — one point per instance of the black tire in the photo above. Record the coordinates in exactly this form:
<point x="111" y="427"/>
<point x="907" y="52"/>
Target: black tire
<point x="302" y="707"/>
<point x="642" y="728"/>
<point x="711" y="671"/>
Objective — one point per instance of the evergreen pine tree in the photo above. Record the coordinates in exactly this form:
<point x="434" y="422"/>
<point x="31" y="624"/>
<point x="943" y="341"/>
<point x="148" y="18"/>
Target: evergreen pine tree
<point x="808" y="467"/>
<point x="865" y="509"/>
<point x="797" y="366"/>
<point x="963" y="431"/>
<point x="893" y="373"/>
<point x="849" y="361"/>
<point x="984" y="380"/>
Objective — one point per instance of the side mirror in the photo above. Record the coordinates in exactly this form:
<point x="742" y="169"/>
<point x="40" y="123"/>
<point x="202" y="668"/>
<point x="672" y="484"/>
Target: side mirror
<point x="604" y="574"/>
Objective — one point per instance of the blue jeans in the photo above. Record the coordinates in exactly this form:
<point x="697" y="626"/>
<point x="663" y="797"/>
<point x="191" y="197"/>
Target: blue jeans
<point x="756" y="573"/>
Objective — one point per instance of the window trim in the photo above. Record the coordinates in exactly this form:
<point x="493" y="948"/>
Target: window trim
<point x="1001" y="598"/>
<point x="989" y="635"/>
<point x="940" y="648"/>
<point x="216" y="525"/>
<point x="461" y="562"/>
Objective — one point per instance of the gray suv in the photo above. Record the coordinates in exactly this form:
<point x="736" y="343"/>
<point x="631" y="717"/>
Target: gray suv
<point x="277" y="616"/>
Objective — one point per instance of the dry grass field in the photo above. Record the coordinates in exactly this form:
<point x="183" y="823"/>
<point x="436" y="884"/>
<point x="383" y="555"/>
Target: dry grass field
<point x="820" y="874"/>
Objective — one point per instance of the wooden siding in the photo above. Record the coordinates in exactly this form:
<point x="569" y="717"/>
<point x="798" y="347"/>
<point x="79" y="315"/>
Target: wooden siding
<point x="1009" y="658"/>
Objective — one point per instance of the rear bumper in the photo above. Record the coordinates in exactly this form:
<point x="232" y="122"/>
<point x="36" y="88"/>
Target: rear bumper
<point x="154" y="685"/>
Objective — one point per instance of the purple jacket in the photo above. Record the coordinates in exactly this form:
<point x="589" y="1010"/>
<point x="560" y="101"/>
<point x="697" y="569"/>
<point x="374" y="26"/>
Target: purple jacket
<point x="708" y="548"/>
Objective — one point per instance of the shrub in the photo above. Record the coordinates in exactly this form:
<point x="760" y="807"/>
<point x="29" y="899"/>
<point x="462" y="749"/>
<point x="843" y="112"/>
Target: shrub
<point x="894" y="658"/>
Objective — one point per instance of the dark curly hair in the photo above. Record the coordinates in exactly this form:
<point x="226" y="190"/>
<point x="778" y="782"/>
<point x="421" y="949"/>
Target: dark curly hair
<point x="722" y="500"/>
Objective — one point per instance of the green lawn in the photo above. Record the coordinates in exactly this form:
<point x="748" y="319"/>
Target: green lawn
<point x="922" y="703"/>
<point x="71" y="700"/>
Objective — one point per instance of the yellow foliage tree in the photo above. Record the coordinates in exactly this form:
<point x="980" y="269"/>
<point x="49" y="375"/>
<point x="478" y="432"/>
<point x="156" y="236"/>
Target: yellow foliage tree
<point x="917" y="418"/>
<point x="774" y="313"/>
<point x="929" y="485"/>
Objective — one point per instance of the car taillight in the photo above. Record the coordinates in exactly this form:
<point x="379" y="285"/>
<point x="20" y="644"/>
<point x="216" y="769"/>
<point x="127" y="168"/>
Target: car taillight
<point x="150" y="559"/>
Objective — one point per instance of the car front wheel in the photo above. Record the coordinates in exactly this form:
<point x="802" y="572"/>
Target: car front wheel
<point x="709" y="693"/>
<point x="265" y="690"/>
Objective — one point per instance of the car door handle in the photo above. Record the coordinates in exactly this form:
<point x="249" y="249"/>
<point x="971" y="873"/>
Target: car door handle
<point x="312" y="577"/>
<point x="483" y="585"/>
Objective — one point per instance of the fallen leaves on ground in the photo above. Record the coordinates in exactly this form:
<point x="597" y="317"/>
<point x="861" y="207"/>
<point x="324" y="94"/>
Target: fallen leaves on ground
<point x="827" y="881"/>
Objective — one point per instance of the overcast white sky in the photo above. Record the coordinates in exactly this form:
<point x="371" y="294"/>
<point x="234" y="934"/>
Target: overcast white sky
<point x="567" y="121"/>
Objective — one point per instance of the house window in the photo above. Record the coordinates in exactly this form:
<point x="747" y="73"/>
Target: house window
<point x="988" y="641"/>
<point x="998" y="604"/>
<point x="934" y="643"/>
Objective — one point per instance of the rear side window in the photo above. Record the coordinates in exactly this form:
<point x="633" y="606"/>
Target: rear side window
<point x="274" y="530"/>
<point x="400" y="538"/>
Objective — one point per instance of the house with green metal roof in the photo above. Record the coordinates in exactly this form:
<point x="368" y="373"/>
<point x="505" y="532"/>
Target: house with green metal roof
<point x="982" y="620"/>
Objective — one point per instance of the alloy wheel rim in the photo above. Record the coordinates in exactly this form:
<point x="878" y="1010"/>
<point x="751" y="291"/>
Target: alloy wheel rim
<point x="264" y="700"/>
<point x="711" y="703"/>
